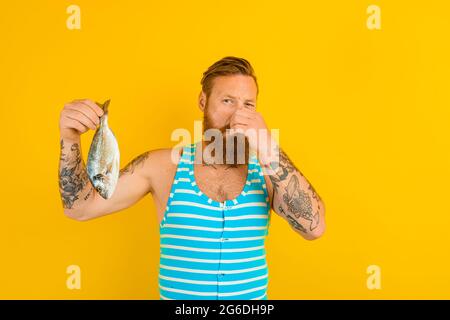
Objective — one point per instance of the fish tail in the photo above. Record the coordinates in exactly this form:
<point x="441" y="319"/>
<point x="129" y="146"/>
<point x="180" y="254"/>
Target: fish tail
<point x="106" y="106"/>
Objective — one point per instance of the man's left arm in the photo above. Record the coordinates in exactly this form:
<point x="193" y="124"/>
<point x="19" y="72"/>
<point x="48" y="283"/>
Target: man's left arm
<point x="293" y="197"/>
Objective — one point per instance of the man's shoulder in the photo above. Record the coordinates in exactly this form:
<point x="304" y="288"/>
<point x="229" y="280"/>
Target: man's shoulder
<point x="164" y="158"/>
<point x="161" y="165"/>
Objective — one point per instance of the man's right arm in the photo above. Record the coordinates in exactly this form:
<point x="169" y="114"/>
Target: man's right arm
<point x="79" y="198"/>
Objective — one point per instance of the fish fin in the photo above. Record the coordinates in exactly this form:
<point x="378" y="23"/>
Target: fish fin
<point x="109" y="168"/>
<point x="106" y="106"/>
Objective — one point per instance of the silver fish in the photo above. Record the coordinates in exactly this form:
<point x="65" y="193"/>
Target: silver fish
<point x="103" y="164"/>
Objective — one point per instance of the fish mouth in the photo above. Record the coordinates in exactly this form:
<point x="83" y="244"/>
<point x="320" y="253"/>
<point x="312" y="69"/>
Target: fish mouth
<point x="99" y="185"/>
<point x="102" y="192"/>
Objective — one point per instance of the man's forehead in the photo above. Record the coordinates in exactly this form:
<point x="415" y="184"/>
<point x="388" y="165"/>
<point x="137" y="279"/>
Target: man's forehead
<point x="236" y="86"/>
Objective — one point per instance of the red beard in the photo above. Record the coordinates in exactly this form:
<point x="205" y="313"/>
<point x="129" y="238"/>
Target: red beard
<point x="232" y="155"/>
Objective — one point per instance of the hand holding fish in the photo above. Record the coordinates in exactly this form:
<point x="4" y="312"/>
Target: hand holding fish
<point x="94" y="189"/>
<point x="77" y="117"/>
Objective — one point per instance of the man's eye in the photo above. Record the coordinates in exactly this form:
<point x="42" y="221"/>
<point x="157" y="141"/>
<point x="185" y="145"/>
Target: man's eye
<point x="226" y="100"/>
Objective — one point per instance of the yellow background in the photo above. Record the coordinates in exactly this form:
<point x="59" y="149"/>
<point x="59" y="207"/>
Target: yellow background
<point x="364" y="114"/>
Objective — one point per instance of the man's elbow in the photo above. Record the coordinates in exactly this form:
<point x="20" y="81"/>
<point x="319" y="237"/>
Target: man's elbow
<point x="76" y="215"/>
<point x="319" y="230"/>
<point x="316" y="233"/>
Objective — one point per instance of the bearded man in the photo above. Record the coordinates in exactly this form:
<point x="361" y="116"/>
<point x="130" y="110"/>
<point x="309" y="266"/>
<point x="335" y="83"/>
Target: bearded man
<point x="213" y="199"/>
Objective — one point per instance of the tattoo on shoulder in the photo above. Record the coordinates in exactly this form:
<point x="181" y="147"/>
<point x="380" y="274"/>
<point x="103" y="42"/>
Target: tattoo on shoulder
<point x="130" y="167"/>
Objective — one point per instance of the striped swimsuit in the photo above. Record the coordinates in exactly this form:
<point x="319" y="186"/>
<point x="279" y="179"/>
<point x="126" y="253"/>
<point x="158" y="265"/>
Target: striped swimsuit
<point x="214" y="250"/>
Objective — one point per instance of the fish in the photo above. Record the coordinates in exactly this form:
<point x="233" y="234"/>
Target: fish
<point x="103" y="163"/>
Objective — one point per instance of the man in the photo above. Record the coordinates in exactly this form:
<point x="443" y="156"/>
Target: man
<point x="214" y="215"/>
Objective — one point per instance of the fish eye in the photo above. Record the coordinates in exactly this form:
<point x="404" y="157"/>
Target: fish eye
<point x="99" y="177"/>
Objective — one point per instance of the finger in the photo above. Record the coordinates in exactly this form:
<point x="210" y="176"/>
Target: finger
<point x="81" y="117"/>
<point x="87" y="111"/>
<point x="237" y="129"/>
<point x="239" y="120"/>
<point x="242" y="118"/>
<point x="91" y="104"/>
<point x="246" y="112"/>
<point x="81" y="114"/>
<point x="75" y="124"/>
<point x="236" y="125"/>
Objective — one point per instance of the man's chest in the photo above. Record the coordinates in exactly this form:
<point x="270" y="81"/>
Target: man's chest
<point x="221" y="184"/>
<point x="218" y="185"/>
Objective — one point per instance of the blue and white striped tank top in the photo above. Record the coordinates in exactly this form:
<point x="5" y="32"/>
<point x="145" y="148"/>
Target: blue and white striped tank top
<point x="214" y="250"/>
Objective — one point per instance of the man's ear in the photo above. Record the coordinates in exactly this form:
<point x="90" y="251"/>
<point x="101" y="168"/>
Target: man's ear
<point x="202" y="101"/>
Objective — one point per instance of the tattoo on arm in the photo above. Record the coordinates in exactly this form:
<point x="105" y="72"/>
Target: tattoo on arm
<point x="91" y="191"/>
<point x="73" y="177"/>
<point x="299" y="203"/>
<point x="284" y="167"/>
<point x="205" y="164"/>
<point x="294" y="223"/>
<point x="296" y="200"/>
<point x="129" y="168"/>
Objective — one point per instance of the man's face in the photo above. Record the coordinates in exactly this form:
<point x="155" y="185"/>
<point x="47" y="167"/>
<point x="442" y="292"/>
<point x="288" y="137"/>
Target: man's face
<point x="228" y="94"/>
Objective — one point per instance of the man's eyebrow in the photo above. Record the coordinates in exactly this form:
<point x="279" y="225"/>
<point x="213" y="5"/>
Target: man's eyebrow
<point x="229" y="95"/>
